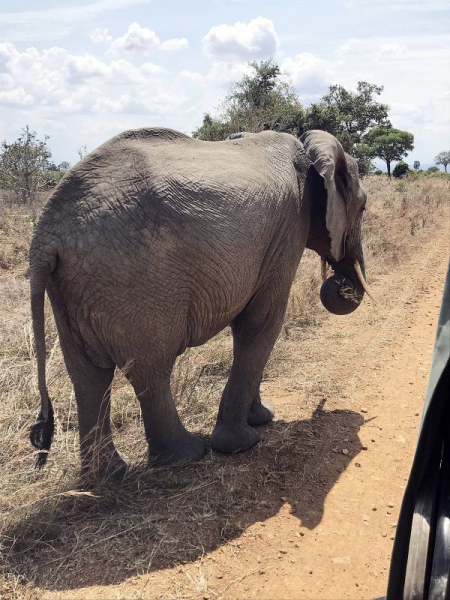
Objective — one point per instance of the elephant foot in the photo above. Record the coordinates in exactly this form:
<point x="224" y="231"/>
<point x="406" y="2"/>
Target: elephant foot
<point x="113" y="470"/>
<point x="259" y="413"/>
<point x="189" y="449"/>
<point x="229" y="439"/>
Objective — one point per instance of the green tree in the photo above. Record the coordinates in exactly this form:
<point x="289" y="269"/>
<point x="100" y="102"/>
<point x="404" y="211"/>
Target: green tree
<point x="443" y="158"/>
<point x="387" y="143"/>
<point x="24" y="166"/>
<point x="433" y="170"/>
<point x="212" y="130"/>
<point x="356" y="112"/>
<point x="348" y="116"/>
<point x="416" y="165"/>
<point x="400" y="169"/>
<point x="260" y="100"/>
<point x="323" y="116"/>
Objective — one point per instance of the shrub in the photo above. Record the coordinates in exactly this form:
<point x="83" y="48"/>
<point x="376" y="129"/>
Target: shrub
<point x="400" y="169"/>
<point x="433" y="169"/>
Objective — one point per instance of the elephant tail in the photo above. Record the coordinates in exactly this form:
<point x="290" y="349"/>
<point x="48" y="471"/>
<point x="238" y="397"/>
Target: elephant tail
<point x="42" y="431"/>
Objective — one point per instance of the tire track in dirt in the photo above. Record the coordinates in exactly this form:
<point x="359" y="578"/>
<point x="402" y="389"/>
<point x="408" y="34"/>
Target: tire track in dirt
<point x="381" y="357"/>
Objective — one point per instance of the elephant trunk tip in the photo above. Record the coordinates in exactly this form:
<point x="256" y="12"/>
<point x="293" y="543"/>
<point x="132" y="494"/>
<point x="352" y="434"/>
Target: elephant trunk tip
<point x="41" y="435"/>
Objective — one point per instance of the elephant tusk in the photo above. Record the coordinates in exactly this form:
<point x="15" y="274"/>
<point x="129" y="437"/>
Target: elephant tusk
<point x="323" y="269"/>
<point x="362" y="280"/>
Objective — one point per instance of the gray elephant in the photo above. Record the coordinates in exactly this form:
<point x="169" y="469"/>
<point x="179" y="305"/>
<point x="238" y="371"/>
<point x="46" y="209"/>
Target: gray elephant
<point x="155" y="242"/>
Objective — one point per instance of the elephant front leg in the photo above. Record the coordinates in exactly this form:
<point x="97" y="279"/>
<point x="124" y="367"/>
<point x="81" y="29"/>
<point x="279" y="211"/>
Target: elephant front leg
<point x="255" y="331"/>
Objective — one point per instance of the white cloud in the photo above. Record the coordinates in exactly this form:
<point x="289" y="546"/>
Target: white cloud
<point x="150" y="69"/>
<point x="6" y="81"/>
<point x="244" y="41"/>
<point x="82" y="92"/>
<point x="7" y="53"/>
<point x="175" y="44"/>
<point x="80" y="68"/>
<point x="137" y="40"/>
<point x="16" y="97"/>
<point x="309" y="74"/>
<point x="71" y="83"/>
<point x="100" y="36"/>
<point x="226" y="73"/>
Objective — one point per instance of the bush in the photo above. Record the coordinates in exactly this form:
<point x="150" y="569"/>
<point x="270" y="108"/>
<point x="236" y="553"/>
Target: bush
<point x="378" y="172"/>
<point x="26" y="169"/>
<point x="400" y="169"/>
<point x="428" y="174"/>
<point x="433" y="169"/>
<point x="51" y="179"/>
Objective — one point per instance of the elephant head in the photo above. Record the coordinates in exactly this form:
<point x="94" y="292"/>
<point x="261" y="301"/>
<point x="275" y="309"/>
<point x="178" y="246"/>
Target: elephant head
<point x="338" y="201"/>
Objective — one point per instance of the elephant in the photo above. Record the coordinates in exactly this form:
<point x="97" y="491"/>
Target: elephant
<point x="155" y="242"/>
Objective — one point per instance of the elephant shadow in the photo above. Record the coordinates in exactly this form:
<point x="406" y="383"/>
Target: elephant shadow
<point x="167" y="517"/>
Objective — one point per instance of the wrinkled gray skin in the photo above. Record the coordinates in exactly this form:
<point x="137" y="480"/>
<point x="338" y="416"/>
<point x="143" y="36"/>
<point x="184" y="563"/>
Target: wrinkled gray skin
<point x="155" y="242"/>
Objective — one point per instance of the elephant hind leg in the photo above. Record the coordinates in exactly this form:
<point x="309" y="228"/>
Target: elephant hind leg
<point x="169" y="442"/>
<point x="260" y="412"/>
<point x="92" y="384"/>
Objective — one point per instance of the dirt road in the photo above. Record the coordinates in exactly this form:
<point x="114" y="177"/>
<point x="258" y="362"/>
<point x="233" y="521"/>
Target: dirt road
<point x="318" y="500"/>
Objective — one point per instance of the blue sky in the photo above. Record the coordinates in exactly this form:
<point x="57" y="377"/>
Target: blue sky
<point x="82" y="71"/>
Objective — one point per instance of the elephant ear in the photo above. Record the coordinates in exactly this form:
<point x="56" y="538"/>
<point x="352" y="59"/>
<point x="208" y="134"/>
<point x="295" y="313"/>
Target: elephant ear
<point x="330" y="161"/>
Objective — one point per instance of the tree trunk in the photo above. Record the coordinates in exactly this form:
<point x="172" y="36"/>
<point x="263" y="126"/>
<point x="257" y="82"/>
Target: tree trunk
<point x="388" y="164"/>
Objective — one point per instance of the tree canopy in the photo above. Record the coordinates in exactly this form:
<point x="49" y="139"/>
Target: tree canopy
<point x="348" y="115"/>
<point x="387" y="143"/>
<point x="260" y="100"/>
<point x="264" y="99"/>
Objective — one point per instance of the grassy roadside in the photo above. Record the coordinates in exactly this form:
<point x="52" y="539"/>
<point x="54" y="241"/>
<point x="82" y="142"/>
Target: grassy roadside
<point x="46" y="514"/>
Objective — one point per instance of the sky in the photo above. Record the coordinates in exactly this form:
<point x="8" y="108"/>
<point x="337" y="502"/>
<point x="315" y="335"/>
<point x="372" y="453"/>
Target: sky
<point x="83" y="71"/>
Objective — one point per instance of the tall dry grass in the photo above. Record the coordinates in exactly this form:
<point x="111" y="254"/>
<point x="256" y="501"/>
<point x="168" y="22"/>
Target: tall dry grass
<point x="401" y="216"/>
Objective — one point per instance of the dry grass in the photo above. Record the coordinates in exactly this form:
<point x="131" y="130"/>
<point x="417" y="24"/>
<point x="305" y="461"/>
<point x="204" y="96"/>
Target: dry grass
<point x="51" y="527"/>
